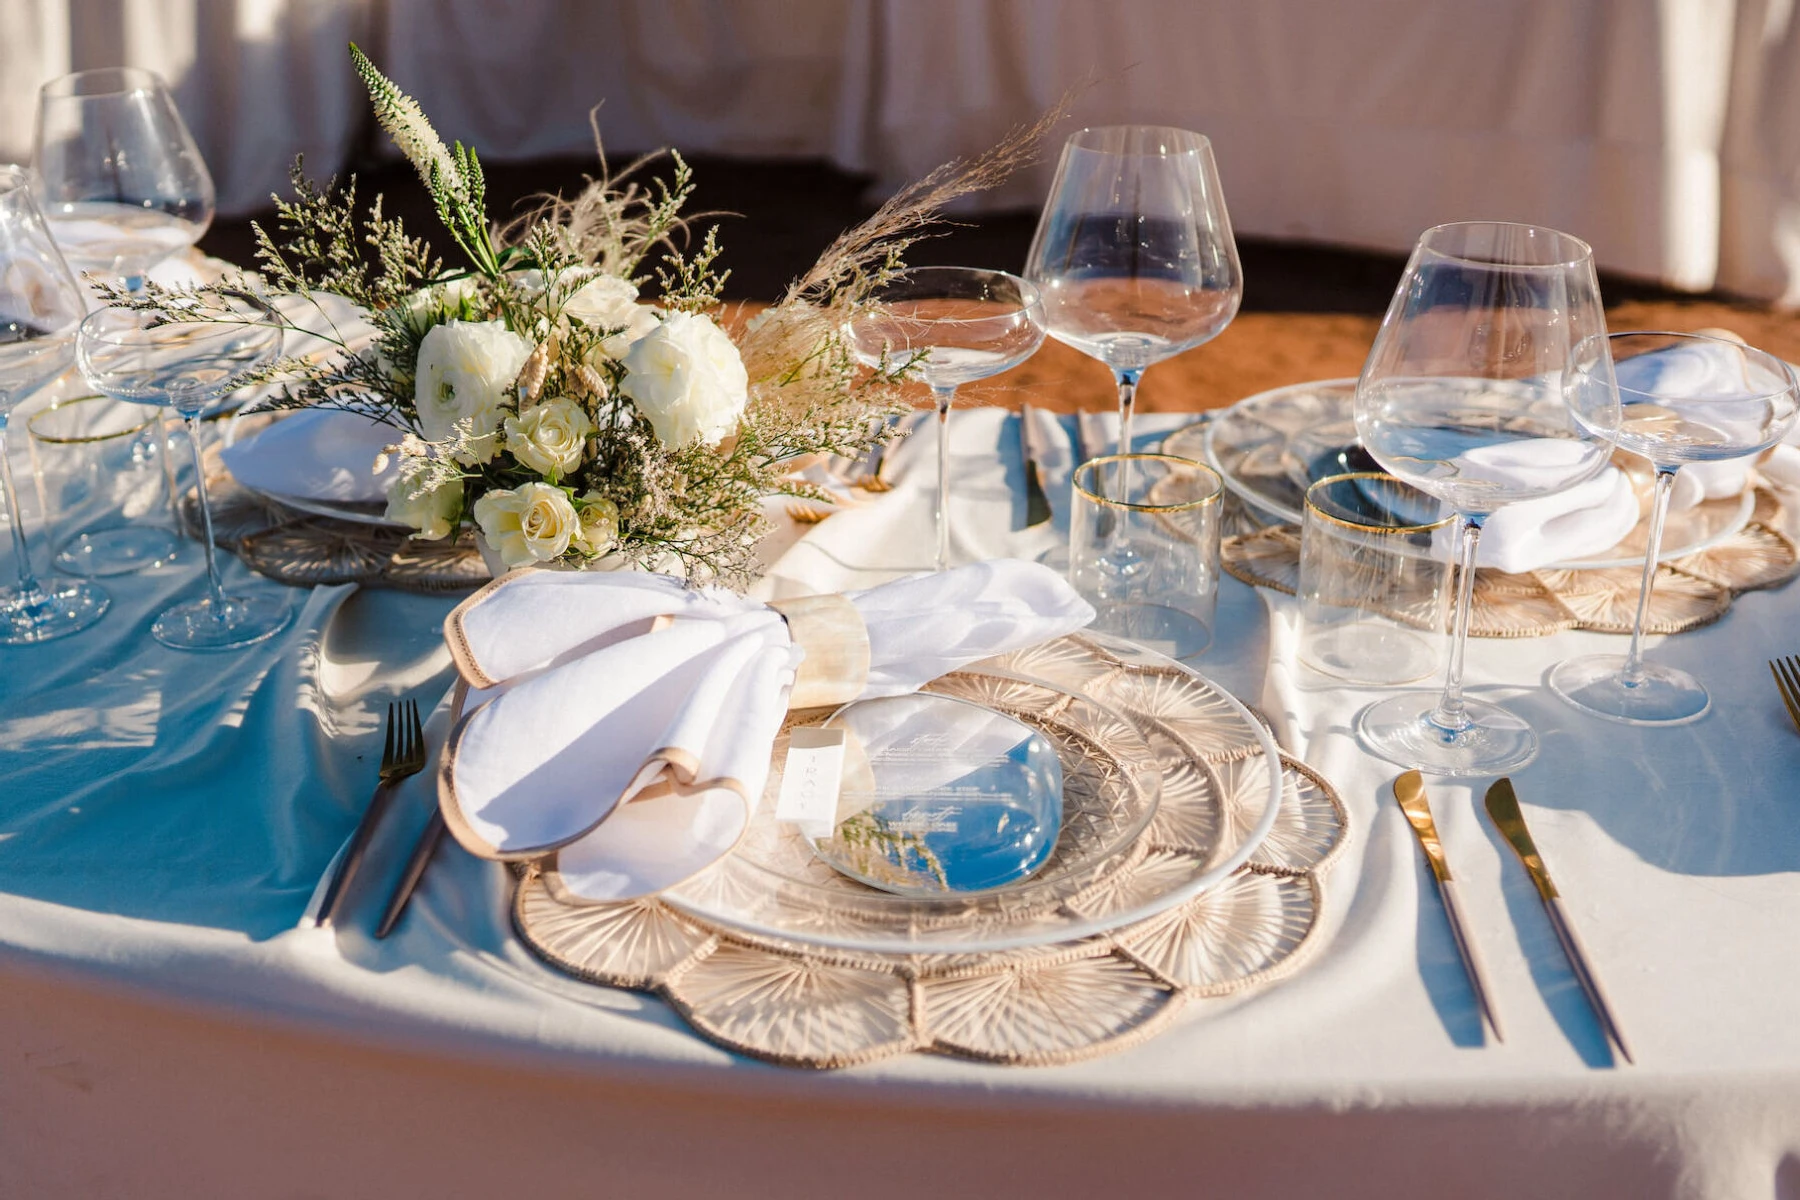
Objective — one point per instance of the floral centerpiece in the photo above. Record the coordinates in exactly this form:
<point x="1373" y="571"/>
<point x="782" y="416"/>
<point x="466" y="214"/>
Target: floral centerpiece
<point x="538" y="392"/>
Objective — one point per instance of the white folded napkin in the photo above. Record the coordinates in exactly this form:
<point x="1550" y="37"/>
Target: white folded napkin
<point x="317" y="454"/>
<point x="1577" y="522"/>
<point x="632" y="718"/>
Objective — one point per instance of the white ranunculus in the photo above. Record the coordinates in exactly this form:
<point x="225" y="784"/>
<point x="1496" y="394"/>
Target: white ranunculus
<point x="549" y="437"/>
<point x="432" y="511"/>
<point x="599" y="525"/>
<point x="466" y="372"/>
<point x="608" y="302"/>
<point x="530" y="524"/>
<point x="687" y="378"/>
<point x="439" y="302"/>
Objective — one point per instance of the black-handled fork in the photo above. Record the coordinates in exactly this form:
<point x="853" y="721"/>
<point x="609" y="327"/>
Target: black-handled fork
<point x="401" y="756"/>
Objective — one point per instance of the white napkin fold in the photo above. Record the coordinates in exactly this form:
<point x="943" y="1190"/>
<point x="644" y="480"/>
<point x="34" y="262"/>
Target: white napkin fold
<point x="316" y="454"/>
<point x="1575" y="523"/>
<point x="634" y="717"/>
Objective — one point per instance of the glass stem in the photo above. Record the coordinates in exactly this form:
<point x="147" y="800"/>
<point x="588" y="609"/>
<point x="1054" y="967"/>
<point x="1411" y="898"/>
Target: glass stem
<point x="212" y="562"/>
<point x="1451" y="715"/>
<point x="944" y="397"/>
<point x="1633" y="672"/>
<point x="28" y="585"/>
<point x="170" y="488"/>
<point x="1128" y="386"/>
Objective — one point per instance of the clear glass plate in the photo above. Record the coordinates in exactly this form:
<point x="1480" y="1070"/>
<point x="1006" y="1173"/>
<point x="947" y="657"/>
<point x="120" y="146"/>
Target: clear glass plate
<point x="1162" y="801"/>
<point x="1269" y="447"/>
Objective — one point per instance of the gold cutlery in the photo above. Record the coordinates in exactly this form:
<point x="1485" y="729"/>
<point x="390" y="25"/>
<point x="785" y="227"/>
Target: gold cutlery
<point x="427" y="845"/>
<point x="1409" y="790"/>
<point x="1503" y="807"/>
<point x="1787" y="682"/>
<point x="401" y="757"/>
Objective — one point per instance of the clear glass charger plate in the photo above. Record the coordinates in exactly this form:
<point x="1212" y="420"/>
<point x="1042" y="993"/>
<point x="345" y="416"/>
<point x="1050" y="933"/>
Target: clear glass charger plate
<point x="1118" y="859"/>
<point x="1268" y="447"/>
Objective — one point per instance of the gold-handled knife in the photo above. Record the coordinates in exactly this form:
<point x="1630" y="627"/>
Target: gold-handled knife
<point x="1409" y="790"/>
<point x="1503" y="807"/>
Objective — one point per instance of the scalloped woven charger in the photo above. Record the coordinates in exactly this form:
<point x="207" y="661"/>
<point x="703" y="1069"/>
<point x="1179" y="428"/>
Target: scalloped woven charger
<point x="1690" y="592"/>
<point x="798" y="1003"/>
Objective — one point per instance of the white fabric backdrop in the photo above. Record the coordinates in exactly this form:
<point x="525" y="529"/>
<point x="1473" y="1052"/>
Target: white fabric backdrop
<point x="1667" y="133"/>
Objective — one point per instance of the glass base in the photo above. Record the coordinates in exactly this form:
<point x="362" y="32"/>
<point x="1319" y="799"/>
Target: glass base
<point x="47" y="613"/>
<point x="117" y="551"/>
<point x="1157" y="627"/>
<point x="1369" y="653"/>
<point x="243" y="621"/>
<point x="1664" y="696"/>
<point x="1400" y="729"/>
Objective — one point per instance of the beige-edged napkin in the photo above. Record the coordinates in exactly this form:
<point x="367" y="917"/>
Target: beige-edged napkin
<point x="631" y="719"/>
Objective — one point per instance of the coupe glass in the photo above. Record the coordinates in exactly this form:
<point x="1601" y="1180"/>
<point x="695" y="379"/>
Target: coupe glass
<point x="123" y="187"/>
<point x="1134" y="253"/>
<point x="1463" y="397"/>
<point x="120" y="179"/>
<point x="1682" y="398"/>
<point x="955" y="325"/>
<point x="40" y="310"/>
<point x="170" y="358"/>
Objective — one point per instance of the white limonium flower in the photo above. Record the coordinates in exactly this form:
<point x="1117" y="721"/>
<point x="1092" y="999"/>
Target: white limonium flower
<point x="432" y="511"/>
<point x="530" y="524"/>
<point x="687" y="378"/>
<point x="599" y="525"/>
<point x="608" y="302"/>
<point x="466" y="372"/>
<point x="551" y="437"/>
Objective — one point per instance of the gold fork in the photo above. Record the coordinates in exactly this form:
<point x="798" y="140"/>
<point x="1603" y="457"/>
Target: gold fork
<point x="402" y="755"/>
<point x="1787" y="682"/>
<point x="807" y="514"/>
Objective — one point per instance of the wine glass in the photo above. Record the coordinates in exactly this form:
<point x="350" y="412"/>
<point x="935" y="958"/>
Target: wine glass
<point x="1134" y="253"/>
<point x="40" y="308"/>
<point x="123" y="187"/>
<point x="954" y="325"/>
<point x="120" y="180"/>
<point x="184" y="360"/>
<point x="1682" y="398"/>
<point x="1463" y="396"/>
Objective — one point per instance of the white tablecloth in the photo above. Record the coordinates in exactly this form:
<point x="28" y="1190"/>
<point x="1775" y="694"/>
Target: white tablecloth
<point x="1666" y="134"/>
<point x="166" y="1029"/>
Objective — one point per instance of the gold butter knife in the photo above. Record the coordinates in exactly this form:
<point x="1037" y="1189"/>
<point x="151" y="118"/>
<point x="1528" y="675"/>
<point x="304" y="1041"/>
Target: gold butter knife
<point x="1409" y="790"/>
<point x="1503" y="807"/>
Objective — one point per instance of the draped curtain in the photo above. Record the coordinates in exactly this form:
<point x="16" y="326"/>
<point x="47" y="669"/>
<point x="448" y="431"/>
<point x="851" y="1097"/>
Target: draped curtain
<point x="1666" y="132"/>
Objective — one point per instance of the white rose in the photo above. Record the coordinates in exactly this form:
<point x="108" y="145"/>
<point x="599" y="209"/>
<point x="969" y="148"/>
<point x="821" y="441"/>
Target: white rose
<point x="466" y="372"/>
<point x="687" y="378"/>
<point x="433" y="511"/>
<point x="549" y="437"/>
<point x="608" y="302"/>
<point x="531" y="524"/>
<point x="599" y="525"/>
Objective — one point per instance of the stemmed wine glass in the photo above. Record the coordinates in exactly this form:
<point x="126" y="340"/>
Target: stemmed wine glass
<point x="1463" y="396"/>
<point x="120" y="180"/>
<point x="1134" y="253"/>
<point x="123" y="187"/>
<point x="1682" y="398"/>
<point x="954" y="325"/>
<point x="182" y="359"/>
<point x="40" y="309"/>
